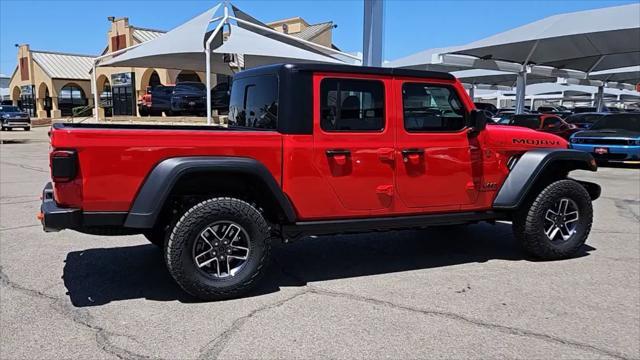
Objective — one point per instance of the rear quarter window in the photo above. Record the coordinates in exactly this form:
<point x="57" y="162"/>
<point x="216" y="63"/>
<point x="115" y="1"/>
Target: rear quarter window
<point x="254" y="102"/>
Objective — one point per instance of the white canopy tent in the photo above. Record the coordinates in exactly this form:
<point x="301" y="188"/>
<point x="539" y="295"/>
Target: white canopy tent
<point x="191" y="46"/>
<point x="587" y="41"/>
<point x="562" y="46"/>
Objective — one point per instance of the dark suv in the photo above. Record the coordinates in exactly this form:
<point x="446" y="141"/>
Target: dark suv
<point x="13" y="117"/>
<point x="189" y="97"/>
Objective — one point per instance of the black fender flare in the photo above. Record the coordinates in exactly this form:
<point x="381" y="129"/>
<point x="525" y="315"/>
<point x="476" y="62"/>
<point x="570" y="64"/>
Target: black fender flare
<point x="529" y="168"/>
<point x="158" y="185"/>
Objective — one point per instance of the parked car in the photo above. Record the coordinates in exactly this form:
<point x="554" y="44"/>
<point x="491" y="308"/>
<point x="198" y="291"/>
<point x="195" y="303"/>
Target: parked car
<point x="314" y="149"/>
<point x="12" y="117"/>
<point x="189" y="97"/>
<point x="558" y="111"/>
<point x="584" y="109"/>
<point x="503" y="117"/>
<point x="544" y="122"/>
<point x="615" y="137"/>
<point x="584" y="120"/>
<point x="486" y="106"/>
<point x="158" y="100"/>
<point x="220" y="97"/>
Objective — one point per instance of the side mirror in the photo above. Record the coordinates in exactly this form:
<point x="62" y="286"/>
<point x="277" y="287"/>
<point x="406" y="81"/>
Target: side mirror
<point x="477" y="120"/>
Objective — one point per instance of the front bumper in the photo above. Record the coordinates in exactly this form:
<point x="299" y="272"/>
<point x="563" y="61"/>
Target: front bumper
<point x="55" y="218"/>
<point x="16" y="123"/>
<point x="616" y="152"/>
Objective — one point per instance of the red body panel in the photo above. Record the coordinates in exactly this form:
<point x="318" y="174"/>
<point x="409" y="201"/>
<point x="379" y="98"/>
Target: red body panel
<point x="457" y="171"/>
<point x="115" y="162"/>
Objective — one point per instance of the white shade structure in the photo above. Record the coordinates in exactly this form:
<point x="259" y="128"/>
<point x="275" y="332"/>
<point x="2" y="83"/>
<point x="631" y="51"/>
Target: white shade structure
<point x="194" y="46"/>
<point x="588" y="41"/>
<point x="562" y="46"/>
<point x="629" y="74"/>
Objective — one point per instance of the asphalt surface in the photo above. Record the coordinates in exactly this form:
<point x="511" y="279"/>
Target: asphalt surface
<point x="458" y="293"/>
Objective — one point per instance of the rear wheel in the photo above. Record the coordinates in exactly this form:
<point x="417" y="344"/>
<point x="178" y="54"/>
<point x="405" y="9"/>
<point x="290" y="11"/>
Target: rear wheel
<point x="557" y="222"/>
<point x="218" y="249"/>
<point x="28" y="128"/>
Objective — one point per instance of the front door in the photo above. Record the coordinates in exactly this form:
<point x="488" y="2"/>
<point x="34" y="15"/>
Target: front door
<point x="434" y="151"/>
<point x="353" y="140"/>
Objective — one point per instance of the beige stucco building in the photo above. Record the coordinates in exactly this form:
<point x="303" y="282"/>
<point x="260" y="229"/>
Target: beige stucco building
<point x="50" y="84"/>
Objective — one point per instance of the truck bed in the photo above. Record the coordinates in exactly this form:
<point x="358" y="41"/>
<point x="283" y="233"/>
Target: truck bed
<point x="114" y="159"/>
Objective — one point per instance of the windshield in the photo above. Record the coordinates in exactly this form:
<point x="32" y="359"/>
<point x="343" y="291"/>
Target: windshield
<point x="630" y="122"/>
<point x="583" y="119"/>
<point x="189" y="88"/>
<point x="9" y="109"/>
<point x="528" y="121"/>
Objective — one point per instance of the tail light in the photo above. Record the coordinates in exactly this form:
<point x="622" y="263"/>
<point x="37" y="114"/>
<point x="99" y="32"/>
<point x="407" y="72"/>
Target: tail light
<point x="64" y="165"/>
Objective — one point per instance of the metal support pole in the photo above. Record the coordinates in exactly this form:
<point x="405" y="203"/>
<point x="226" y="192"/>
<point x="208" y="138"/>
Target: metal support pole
<point x="94" y="86"/>
<point x="207" y="56"/>
<point x="521" y="86"/>
<point x="373" y="32"/>
<point x="472" y="92"/>
<point x="599" y="100"/>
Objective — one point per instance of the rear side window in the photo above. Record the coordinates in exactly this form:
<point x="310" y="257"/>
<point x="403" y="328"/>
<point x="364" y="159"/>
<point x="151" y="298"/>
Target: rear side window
<point x="528" y="121"/>
<point x="431" y="108"/>
<point x="351" y="105"/>
<point x="254" y="102"/>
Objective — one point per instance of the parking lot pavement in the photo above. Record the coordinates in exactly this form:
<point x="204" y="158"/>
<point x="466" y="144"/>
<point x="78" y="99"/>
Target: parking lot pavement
<point x="467" y="292"/>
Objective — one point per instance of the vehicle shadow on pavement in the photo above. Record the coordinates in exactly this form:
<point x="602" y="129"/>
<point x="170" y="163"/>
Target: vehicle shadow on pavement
<point x="96" y="277"/>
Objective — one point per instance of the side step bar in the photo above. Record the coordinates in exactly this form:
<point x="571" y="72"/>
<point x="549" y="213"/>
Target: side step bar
<point x="327" y="227"/>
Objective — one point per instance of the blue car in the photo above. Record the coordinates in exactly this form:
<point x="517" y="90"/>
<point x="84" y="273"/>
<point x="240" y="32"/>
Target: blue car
<point x="614" y="137"/>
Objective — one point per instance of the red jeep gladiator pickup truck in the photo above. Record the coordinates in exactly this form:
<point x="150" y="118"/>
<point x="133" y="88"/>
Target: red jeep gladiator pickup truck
<point x="314" y="149"/>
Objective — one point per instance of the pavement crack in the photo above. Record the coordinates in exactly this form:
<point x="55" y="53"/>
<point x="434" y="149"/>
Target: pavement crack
<point x="80" y="317"/>
<point x="476" y="322"/>
<point x="214" y="348"/>
<point x="19" y="227"/>
<point x="26" y="167"/>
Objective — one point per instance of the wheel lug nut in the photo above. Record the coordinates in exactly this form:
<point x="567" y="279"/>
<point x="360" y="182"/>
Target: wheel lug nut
<point x="229" y="251"/>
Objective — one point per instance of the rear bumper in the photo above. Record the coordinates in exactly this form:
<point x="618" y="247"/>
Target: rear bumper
<point x="55" y="218"/>
<point x="616" y="152"/>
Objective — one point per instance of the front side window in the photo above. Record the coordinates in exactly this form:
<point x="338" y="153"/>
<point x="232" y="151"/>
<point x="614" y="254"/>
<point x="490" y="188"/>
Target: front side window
<point x="351" y="105"/>
<point x="254" y="102"/>
<point x="431" y="108"/>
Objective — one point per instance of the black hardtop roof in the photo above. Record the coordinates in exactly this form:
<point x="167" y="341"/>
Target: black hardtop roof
<point x="310" y="67"/>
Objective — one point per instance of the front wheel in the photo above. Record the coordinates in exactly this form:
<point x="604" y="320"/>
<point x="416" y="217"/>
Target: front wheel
<point x="218" y="249"/>
<point x="557" y="222"/>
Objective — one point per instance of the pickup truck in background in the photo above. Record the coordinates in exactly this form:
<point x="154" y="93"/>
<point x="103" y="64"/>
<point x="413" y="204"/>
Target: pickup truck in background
<point x="314" y="149"/>
<point x="183" y="98"/>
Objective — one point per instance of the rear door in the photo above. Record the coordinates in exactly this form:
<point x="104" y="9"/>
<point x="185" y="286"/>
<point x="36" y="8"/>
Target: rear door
<point x="353" y="140"/>
<point x="434" y="152"/>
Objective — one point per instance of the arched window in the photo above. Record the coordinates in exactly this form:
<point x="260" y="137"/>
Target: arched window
<point x="71" y="96"/>
<point x="154" y="80"/>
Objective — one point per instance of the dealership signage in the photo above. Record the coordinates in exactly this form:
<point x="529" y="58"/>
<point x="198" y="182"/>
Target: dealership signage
<point x="122" y="79"/>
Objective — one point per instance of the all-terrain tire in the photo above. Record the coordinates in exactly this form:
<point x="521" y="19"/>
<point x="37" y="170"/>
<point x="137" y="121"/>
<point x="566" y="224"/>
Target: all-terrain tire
<point x="529" y="221"/>
<point x="180" y="244"/>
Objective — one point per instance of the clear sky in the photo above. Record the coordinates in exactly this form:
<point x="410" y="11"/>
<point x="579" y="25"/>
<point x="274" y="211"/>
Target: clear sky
<point x="410" y="25"/>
